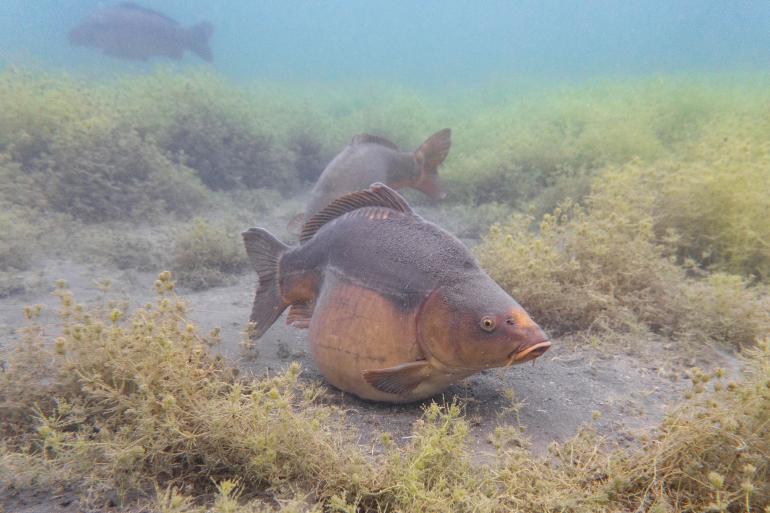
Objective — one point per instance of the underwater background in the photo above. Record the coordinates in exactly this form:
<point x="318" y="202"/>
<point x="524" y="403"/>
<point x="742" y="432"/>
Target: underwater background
<point x="429" y="43"/>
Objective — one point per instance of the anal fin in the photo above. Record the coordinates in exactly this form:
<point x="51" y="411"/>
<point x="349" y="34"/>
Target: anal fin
<point x="299" y="315"/>
<point x="400" y="379"/>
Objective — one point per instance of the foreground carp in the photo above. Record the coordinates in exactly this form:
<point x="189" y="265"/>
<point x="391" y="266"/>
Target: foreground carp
<point x="369" y="159"/>
<point x="397" y="307"/>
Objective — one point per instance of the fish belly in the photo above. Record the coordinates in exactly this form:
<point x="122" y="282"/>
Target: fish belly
<point x="355" y="329"/>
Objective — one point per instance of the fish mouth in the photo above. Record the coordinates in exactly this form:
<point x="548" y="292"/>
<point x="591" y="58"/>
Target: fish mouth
<point x="529" y="353"/>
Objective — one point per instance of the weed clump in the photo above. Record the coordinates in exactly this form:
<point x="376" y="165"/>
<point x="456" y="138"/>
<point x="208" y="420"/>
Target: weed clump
<point x="711" y="452"/>
<point x="725" y="308"/>
<point x="536" y="140"/>
<point x="206" y="255"/>
<point x="15" y="230"/>
<point x="120" y="247"/>
<point x="601" y="266"/>
<point x="105" y="173"/>
<point x="715" y="199"/>
<point x="218" y="130"/>
<point x="310" y="156"/>
<point x="17" y="244"/>
<point x="133" y="400"/>
<point x="433" y="472"/>
<point x="227" y="154"/>
<point x="34" y="107"/>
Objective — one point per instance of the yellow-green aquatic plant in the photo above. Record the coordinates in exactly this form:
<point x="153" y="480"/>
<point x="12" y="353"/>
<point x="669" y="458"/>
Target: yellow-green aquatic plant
<point x="103" y="171"/>
<point x="711" y="453"/>
<point x="118" y="405"/>
<point x="603" y="267"/>
<point x="128" y="402"/>
<point x="206" y="255"/>
<point x="18" y="242"/>
<point x="717" y="202"/>
<point x="35" y="106"/>
<point x="533" y="140"/>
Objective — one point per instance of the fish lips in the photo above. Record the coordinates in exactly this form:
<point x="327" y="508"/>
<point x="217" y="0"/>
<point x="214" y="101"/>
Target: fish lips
<point x="529" y="353"/>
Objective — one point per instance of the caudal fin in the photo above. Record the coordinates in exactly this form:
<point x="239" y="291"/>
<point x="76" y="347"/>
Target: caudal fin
<point x="199" y="40"/>
<point x="429" y="156"/>
<point x="265" y="252"/>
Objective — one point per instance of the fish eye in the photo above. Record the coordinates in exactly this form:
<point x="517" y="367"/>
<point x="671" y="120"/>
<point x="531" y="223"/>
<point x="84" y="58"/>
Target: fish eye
<point x="487" y="323"/>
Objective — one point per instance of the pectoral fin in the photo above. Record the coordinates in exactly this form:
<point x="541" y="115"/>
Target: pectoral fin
<point x="400" y="379"/>
<point x="299" y="315"/>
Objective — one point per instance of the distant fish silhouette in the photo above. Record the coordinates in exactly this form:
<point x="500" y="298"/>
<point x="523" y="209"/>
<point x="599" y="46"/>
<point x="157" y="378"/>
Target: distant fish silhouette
<point x="129" y="31"/>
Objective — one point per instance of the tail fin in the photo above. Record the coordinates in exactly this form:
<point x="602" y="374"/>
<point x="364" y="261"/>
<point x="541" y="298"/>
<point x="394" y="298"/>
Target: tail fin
<point x="265" y="252"/>
<point x="429" y="156"/>
<point x="199" y="40"/>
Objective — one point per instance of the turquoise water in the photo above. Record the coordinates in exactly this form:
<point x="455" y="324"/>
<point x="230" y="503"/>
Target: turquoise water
<point x="421" y="43"/>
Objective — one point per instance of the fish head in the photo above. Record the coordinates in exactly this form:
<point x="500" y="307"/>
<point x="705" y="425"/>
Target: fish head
<point x="476" y="325"/>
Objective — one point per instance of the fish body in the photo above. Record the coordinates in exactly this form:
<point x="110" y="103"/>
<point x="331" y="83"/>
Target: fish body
<point x="369" y="159"/>
<point x="129" y="31"/>
<point x="397" y="307"/>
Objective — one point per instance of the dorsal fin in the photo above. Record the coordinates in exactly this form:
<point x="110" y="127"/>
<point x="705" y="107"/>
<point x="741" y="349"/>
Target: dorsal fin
<point x="137" y="7"/>
<point x="377" y="195"/>
<point x="373" y="139"/>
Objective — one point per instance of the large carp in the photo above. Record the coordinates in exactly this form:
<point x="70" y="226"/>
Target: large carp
<point x="397" y="307"/>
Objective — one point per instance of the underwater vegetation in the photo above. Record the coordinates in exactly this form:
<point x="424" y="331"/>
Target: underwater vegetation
<point x="133" y="408"/>
<point x="15" y="249"/>
<point x="700" y="139"/>
<point x="100" y="173"/>
<point x="600" y="267"/>
<point x="206" y="255"/>
<point x="617" y="207"/>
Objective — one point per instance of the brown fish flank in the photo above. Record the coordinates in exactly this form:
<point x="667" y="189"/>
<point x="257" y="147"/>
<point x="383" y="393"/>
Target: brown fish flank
<point x="397" y="308"/>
